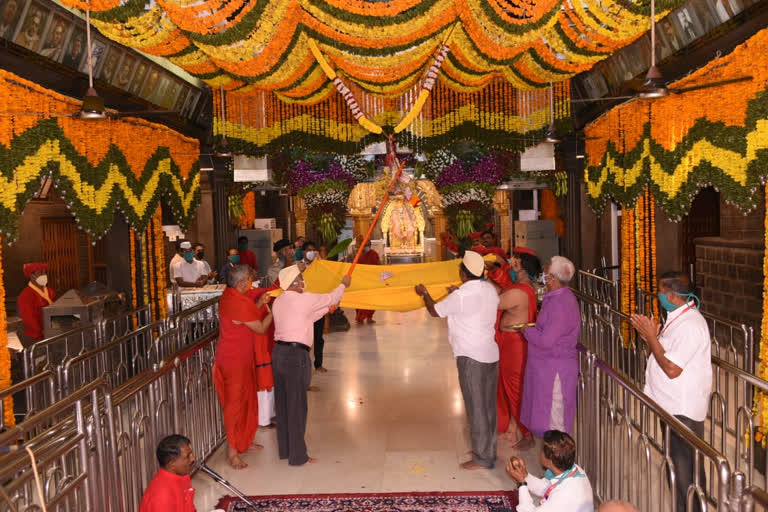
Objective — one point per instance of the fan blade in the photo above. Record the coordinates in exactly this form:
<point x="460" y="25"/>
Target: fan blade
<point x="605" y="98"/>
<point x="148" y="113"/>
<point x="683" y="90"/>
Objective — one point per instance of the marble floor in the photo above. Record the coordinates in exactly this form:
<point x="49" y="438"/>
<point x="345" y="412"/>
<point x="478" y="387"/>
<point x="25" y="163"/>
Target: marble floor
<point x="388" y="417"/>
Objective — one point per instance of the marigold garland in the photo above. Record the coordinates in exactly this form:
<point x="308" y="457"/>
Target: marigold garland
<point x="760" y="403"/>
<point x="249" y="209"/>
<point x="713" y="136"/>
<point x="98" y="168"/>
<point x="134" y="296"/>
<point x="9" y="419"/>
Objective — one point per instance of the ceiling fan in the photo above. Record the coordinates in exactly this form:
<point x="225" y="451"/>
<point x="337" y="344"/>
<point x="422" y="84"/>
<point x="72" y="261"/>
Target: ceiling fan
<point x="654" y="86"/>
<point x="93" y="108"/>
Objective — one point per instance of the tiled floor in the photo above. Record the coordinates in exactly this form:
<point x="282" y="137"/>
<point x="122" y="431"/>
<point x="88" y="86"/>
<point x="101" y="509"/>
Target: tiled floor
<point x="388" y="417"/>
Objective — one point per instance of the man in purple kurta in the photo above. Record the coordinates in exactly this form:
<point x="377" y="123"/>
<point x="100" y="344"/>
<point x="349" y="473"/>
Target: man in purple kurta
<point x="552" y="369"/>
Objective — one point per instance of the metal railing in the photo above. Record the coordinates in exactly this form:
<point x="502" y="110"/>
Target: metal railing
<point x="599" y="288"/>
<point x="622" y="439"/>
<point x="95" y="446"/>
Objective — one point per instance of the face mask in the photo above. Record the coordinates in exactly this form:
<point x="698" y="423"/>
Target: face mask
<point x="549" y="475"/>
<point x="668" y="306"/>
<point x="243" y="247"/>
<point x="282" y="258"/>
<point x="542" y="279"/>
<point x="42" y="280"/>
<point x="189" y="256"/>
<point x="366" y="249"/>
<point x="200" y="255"/>
<point x="310" y="255"/>
<point x="514" y="277"/>
<point x="234" y="259"/>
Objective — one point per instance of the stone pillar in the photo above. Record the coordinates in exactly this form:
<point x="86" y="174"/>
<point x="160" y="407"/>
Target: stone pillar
<point x="223" y="232"/>
<point x="501" y="205"/>
<point x="300" y="216"/>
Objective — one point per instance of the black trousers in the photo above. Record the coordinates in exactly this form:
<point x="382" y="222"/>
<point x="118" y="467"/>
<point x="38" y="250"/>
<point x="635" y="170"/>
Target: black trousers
<point x="682" y="457"/>
<point x="292" y="372"/>
<point x="319" y="342"/>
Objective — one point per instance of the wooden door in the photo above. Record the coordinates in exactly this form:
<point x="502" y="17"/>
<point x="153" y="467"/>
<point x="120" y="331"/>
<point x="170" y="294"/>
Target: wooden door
<point x="703" y="220"/>
<point x="60" y="251"/>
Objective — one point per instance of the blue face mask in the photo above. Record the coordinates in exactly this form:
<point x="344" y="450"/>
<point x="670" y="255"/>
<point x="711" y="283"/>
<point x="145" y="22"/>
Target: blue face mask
<point x="514" y="277"/>
<point x="549" y="475"/>
<point x="234" y="258"/>
<point x="669" y="307"/>
<point x="189" y="256"/>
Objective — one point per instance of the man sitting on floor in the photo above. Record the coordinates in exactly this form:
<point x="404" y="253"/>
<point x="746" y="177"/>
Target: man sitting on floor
<point x="565" y="486"/>
<point x="171" y="488"/>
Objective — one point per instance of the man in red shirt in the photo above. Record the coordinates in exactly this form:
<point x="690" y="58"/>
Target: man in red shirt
<point x="171" y="488"/>
<point x="234" y="368"/>
<point x="35" y="296"/>
<point x="247" y="257"/>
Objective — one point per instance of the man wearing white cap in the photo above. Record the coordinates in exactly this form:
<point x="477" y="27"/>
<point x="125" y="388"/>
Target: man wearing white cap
<point x="189" y="272"/>
<point x="295" y="312"/>
<point x="471" y="312"/>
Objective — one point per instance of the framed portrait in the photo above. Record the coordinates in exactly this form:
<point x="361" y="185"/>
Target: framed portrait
<point x="55" y="39"/>
<point x="688" y="28"/>
<point x="668" y="41"/>
<point x="98" y="47"/>
<point x="112" y="56"/>
<point x="189" y="106"/>
<point x="181" y="99"/>
<point x="75" y="48"/>
<point x="727" y="9"/>
<point x="122" y="78"/>
<point x="170" y="94"/>
<point x="151" y="84"/>
<point x="31" y="34"/>
<point x="10" y="14"/>
<point x="705" y="12"/>
<point x="138" y="77"/>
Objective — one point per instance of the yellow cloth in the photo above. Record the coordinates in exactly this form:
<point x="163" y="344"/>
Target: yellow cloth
<point x="368" y="291"/>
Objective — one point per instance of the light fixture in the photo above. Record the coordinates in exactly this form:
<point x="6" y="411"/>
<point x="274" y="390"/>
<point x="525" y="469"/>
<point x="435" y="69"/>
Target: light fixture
<point x="552" y="137"/>
<point x="654" y="87"/>
<point x="223" y="150"/>
<point x="93" y="104"/>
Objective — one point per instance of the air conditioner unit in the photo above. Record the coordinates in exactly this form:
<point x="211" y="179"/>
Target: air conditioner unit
<point x="538" y="158"/>
<point x="249" y="169"/>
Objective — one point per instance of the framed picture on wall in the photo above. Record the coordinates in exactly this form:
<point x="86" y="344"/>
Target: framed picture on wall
<point x="181" y="99"/>
<point x="668" y="41"/>
<point x="170" y="93"/>
<point x="150" y="85"/>
<point x="75" y="48"/>
<point x="31" y="34"/>
<point x="706" y="14"/>
<point x="10" y="14"/>
<point x="56" y="37"/>
<point x="98" y="47"/>
<point x="122" y="78"/>
<point x="112" y="56"/>
<point x="688" y="28"/>
<point x="138" y="78"/>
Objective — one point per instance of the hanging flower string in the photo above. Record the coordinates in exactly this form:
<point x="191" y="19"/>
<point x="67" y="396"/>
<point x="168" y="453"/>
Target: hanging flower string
<point x="9" y="420"/>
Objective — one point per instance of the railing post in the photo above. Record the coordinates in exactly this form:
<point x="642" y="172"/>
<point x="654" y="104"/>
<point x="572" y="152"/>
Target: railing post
<point x="736" y="501"/>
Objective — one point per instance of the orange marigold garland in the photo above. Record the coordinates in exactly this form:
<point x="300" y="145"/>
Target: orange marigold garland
<point x="134" y="297"/>
<point x="160" y="278"/>
<point x="249" y="210"/>
<point x="760" y="406"/>
<point x="9" y="419"/>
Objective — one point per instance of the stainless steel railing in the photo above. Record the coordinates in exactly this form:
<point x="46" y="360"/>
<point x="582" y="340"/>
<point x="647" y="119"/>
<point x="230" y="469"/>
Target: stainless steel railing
<point x="599" y="288"/>
<point x="95" y="445"/>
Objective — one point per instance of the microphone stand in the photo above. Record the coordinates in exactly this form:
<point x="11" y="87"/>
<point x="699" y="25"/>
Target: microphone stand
<point x="221" y="481"/>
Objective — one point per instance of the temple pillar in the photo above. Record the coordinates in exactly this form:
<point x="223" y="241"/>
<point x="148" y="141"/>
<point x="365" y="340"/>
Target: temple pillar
<point x="361" y="202"/>
<point x="501" y="205"/>
<point x="441" y="226"/>
<point x="299" y="211"/>
<point x="434" y="203"/>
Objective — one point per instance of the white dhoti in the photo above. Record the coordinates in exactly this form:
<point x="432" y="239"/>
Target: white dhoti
<point x="266" y="407"/>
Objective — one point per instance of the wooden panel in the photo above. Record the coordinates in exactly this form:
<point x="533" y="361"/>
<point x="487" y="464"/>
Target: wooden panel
<point x="60" y="251"/>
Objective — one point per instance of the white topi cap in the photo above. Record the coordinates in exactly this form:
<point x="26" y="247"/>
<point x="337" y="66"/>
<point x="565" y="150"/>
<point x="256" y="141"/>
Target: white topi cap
<point x="185" y="245"/>
<point x="474" y="263"/>
<point x="288" y="275"/>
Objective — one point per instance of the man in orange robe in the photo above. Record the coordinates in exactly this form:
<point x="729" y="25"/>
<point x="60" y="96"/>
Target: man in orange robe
<point x="369" y="257"/>
<point x="234" y="369"/>
<point x="517" y="306"/>
<point x="35" y="296"/>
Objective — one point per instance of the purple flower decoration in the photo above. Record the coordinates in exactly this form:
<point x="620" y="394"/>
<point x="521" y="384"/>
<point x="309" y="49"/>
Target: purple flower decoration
<point x="487" y="170"/>
<point x="304" y="174"/>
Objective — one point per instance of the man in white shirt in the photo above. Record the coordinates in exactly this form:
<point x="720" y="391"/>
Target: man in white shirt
<point x="200" y="256"/>
<point x="189" y="273"/>
<point x="678" y="375"/>
<point x="181" y="245"/>
<point x="471" y="312"/>
<point x="565" y="486"/>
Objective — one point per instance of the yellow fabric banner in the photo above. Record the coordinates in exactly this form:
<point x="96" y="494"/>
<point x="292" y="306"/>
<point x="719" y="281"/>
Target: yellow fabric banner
<point x="373" y="288"/>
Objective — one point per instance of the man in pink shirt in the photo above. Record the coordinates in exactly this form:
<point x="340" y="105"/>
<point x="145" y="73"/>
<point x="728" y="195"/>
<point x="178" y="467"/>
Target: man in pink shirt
<point x="294" y="314"/>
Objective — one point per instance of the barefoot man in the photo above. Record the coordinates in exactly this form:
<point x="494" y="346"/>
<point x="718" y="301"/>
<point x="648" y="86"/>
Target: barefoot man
<point x="517" y="308"/>
<point x="295" y="312"/>
<point x="471" y="312"/>
<point x="234" y="369"/>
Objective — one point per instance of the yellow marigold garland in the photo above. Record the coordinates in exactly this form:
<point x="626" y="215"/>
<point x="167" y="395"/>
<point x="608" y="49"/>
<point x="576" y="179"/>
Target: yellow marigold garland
<point x="760" y="406"/>
<point x="5" y="355"/>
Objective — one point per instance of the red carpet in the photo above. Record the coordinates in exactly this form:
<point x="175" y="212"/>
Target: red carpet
<point x="491" y="501"/>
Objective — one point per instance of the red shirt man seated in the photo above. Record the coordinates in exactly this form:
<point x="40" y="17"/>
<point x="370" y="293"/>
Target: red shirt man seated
<point x="171" y="488"/>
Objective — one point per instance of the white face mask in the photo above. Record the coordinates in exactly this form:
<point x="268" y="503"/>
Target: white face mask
<point x="309" y="255"/>
<point x="42" y="280"/>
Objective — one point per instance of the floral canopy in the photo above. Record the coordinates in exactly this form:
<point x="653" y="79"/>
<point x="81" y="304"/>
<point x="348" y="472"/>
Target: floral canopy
<point x="287" y="60"/>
